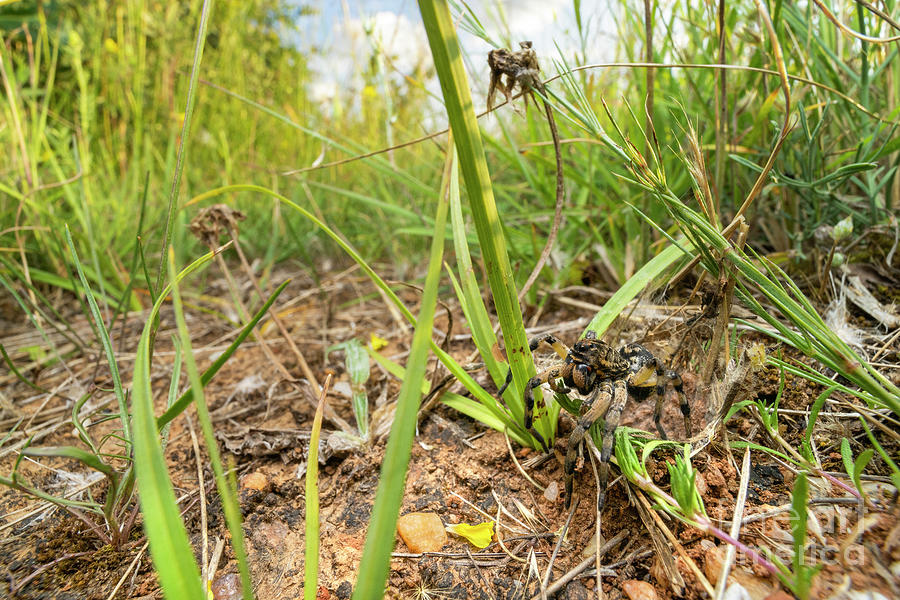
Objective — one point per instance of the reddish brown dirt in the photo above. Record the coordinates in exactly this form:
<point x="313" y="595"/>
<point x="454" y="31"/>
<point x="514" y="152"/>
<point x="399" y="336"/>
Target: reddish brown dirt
<point x="457" y="471"/>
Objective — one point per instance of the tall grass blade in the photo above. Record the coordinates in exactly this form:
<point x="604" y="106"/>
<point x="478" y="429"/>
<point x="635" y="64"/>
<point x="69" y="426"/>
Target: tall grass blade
<point x="227" y="493"/>
<point x="103" y="335"/>
<point x="373" y="569"/>
<point x="169" y="545"/>
<point x="470" y="293"/>
<point x="448" y="63"/>
<point x="185" y="136"/>
<point x="311" y="560"/>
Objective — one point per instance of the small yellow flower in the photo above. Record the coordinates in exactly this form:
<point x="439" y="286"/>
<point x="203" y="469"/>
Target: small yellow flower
<point x="377" y="343"/>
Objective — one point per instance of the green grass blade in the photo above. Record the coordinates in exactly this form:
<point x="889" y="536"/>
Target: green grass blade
<point x="169" y="545"/>
<point x="451" y="72"/>
<point x="103" y="335"/>
<point x="798" y="531"/>
<point x="470" y="293"/>
<point x="84" y="457"/>
<point x="227" y="494"/>
<point x="373" y="569"/>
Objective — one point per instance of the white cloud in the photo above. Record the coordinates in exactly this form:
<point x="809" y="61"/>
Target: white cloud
<point x="400" y="36"/>
<point x="400" y="42"/>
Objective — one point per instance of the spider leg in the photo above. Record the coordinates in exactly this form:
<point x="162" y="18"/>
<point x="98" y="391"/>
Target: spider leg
<point x="675" y="378"/>
<point x="558" y="385"/>
<point x="600" y="404"/>
<point x="561" y="349"/>
<point x="657" y="413"/>
<point x="613" y="416"/>
<point x="549" y="375"/>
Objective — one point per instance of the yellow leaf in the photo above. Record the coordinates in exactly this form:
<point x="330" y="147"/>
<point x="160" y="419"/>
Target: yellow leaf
<point x="757" y="354"/>
<point x="377" y="343"/>
<point x="478" y="535"/>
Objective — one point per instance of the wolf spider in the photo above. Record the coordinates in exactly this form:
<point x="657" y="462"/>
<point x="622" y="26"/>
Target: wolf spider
<point x="606" y="377"/>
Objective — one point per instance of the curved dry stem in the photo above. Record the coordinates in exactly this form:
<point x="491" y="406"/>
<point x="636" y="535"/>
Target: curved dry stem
<point x="560" y="197"/>
<point x="515" y="460"/>
<point x="852" y="32"/>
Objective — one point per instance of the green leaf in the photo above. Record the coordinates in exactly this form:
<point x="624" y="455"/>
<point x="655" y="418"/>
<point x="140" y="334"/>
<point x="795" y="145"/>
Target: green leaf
<point x="847" y="456"/>
<point x="86" y="458"/>
<point x="803" y="573"/>
<point x="861" y="462"/>
<point x="626" y="457"/>
<point x="357" y="360"/>
<point x="813" y="416"/>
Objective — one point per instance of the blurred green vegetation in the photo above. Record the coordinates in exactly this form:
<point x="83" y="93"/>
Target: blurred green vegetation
<point x="95" y="97"/>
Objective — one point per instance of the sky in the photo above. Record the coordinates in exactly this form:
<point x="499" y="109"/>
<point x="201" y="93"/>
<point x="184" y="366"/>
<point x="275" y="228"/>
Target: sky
<point x="344" y="33"/>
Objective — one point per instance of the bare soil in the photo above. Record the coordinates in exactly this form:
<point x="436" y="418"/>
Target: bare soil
<point x="459" y="470"/>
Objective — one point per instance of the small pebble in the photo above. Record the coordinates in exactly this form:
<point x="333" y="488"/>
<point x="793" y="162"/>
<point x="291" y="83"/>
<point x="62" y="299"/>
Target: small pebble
<point x="255" y="481"/>
<point x="551" y="492"/>
<point x="226" y="587"/>
<point x="422" y="532"/>
<point x="700" y="482"/>
<point x="639" y="590"/>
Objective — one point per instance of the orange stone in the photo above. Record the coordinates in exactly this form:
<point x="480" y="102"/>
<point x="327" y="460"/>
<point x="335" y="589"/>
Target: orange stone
<point x="422" y="532"/>
<point x="639" y="590"/>
<point x="255" y="481"/>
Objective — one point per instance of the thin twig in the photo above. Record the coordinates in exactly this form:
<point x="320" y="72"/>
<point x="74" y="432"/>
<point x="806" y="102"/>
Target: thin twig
<point x="14" y="587"/>
<point x="304" y="367"/>
<point x="731" y="551"/>
<point x="559" y="542"/>
<point x="131" y="566"/>
<point x="572" y="574"/>
<point x="512" y="455"/>
<point x="204" y="553"/>
<point x="487" y="585"/>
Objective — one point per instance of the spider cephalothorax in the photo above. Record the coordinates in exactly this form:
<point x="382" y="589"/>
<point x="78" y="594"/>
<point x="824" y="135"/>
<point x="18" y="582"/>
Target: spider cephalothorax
<point x="606" y="377"/>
